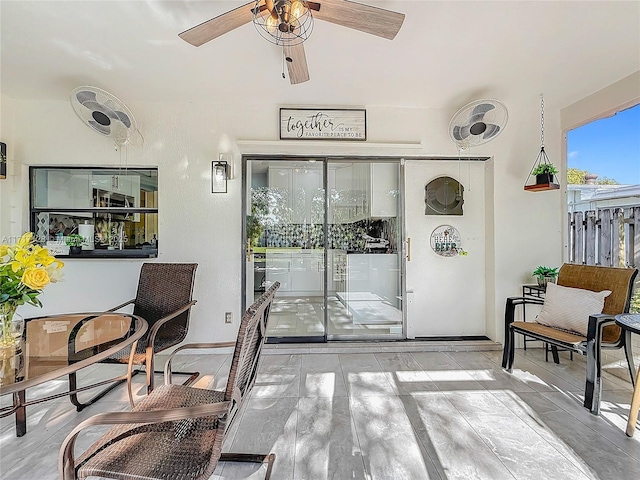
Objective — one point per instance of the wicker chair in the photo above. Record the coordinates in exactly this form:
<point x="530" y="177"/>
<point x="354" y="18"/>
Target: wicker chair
<point x="164" y="300"/>
<point x="176" y="432"/>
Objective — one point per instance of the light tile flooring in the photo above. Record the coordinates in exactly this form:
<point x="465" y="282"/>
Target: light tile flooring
<point x="304" y="316"/>
<point x="389" y="416"/>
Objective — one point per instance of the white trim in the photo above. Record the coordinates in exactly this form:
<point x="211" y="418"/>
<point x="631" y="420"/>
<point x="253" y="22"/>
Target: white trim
<point x="318" y="147"/>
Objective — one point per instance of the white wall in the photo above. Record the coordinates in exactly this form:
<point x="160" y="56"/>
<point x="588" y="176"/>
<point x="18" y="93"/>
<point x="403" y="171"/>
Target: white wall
<point x="522" y="230"/>
<point x="8" y="185"/>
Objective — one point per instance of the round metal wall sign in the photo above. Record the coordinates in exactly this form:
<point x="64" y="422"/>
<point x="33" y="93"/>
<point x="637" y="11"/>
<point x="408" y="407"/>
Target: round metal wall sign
<point x="445" y="241"/>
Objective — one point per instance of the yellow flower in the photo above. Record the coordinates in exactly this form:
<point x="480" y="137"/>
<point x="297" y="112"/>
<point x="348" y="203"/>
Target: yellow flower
<point x="4" y="249"/>
<point x="23" y="259"/>
<point x="25" y="240"/>
<point x="42" y="256"/>
<point x="36" y="278"/>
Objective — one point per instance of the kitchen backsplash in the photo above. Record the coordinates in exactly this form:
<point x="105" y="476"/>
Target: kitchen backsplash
<point x="347" y="236"/>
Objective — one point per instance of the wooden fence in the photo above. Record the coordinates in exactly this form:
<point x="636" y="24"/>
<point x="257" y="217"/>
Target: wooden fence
<point x="607" y="236"/>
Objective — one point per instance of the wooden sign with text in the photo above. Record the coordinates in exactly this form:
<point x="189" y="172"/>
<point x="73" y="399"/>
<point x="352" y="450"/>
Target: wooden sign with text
<point x="323" y="124"/>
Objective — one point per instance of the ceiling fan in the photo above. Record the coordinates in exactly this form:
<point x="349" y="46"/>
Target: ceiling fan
<point x="288" y="23"/>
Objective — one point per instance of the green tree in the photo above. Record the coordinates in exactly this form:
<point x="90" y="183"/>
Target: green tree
<point x="575" y="176"/>
<point x="607" y="181"/>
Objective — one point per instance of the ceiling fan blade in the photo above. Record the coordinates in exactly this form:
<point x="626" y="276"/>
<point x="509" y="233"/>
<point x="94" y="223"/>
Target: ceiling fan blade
<point x="296" y="63"/>
<point x="373" y="20"/>
<point x="219" y="25"/>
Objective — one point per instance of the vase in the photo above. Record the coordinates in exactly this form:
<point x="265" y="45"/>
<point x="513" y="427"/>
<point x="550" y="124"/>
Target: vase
<point x="542" y="281"/>
<point x="11" y="324"/>
<point x="544" y="178"/>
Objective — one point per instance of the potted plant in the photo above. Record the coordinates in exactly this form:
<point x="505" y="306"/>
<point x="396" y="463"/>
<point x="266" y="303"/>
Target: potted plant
<point x="544" y="173"/>
<point x="75" y="243"/>
<point x="545" y="275"/>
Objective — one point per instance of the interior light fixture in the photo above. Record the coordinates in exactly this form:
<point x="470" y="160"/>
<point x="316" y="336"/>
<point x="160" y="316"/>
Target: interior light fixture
<point x="220" y="174"/>
<point x="283" y="22"/>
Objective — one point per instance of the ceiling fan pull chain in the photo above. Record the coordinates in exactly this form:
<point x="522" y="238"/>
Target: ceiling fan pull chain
<point x="283" y="63"/>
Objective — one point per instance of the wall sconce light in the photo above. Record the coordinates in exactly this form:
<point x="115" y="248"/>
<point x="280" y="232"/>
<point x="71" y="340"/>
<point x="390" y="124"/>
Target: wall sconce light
<point x="3" y="160"/>
<point x="220" y="173"/>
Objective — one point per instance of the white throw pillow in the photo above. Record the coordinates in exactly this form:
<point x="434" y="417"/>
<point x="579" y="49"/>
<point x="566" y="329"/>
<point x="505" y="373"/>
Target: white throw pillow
<point x="569" y="308"/>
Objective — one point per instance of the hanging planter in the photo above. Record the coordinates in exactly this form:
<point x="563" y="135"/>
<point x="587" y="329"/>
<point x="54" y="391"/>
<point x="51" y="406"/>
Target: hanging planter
<point x="542" y="171"/>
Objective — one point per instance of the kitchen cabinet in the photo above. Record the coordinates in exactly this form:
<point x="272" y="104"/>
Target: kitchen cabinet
<point x="365" y="190"/>
<point x="307" y="273"/>
<point x="118" y="188"/>
<point x="68" y="189"/>
<point x="298" y="195"/>
<point x="300" y="272"/>
<point x="349" y="194"/>
<point x="278" y="269"/>
<point x="384" y="190"/>
<point x="373" y="274"/>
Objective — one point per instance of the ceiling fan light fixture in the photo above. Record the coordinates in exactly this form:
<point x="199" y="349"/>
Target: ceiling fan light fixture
<point x="283" y="22"/>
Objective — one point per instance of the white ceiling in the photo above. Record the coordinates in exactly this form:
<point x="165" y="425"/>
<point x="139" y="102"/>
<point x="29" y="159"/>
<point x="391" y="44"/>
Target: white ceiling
<point x="446" y="53"/>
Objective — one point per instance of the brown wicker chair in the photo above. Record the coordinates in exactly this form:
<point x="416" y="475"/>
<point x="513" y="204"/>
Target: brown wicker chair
<point x="164" y="300"/>
<point x="602" y="332"/>
<point x="176" y="432"/>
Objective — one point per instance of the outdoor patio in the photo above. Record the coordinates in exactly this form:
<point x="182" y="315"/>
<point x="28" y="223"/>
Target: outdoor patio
<point x="388" y="415"/>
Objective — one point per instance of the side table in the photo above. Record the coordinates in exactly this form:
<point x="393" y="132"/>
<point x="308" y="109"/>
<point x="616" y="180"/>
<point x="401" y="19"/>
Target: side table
<point x="631" y="323"/>
<point x="535" y="291"/>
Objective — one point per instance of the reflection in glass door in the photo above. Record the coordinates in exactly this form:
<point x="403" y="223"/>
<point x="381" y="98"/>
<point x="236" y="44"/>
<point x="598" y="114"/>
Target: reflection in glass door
<point x="364" y="288"/>
<point x="339" y="271"/>
<point x="285" y="231"/>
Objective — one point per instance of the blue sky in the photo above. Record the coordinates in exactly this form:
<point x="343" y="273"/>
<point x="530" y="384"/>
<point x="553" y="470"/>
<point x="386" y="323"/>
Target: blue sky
<point x="609" y="147"/>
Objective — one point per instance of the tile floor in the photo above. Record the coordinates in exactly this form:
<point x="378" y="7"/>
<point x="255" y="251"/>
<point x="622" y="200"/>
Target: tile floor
<point x="387" y="415"/>
<point x="304" y="316"/>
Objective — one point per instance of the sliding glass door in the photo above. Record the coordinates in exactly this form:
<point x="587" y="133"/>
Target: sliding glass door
<point x="330" y="232"/>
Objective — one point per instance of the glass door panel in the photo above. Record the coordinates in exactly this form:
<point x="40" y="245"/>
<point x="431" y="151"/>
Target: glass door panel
<point x="285" y="238"/>
<point x="340" y="278"/>
<point x="364" y="287"/>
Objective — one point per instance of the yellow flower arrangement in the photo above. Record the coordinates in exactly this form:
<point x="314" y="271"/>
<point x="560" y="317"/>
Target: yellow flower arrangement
<point x="25" y="269"/>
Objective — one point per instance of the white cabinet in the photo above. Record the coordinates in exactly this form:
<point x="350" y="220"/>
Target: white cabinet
<point x="123" y="189"/>
<point x="384" y="190"/>
<point x="300" y="272"/>
<point x="297" y="195"/>
<point x="278" y="269"/>
<point x="308" y="198"/>
<point x="348" y="199"/>
<point x="68" y="189"/>
<point x="364" y="190"/>
<point x="307" y="273"/>
<point x="373" y="276"/>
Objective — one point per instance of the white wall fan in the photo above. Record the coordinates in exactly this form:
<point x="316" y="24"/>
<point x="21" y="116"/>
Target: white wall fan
<point x="106" y="114"/>
<point x="477" y="123"/>
<point x="288" y="23"/>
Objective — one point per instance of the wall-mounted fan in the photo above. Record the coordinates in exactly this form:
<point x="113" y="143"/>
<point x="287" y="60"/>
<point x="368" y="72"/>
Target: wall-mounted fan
<point x="288" y="23"/>
<point x="477" y="123"/>
<point x="105" y="114"/>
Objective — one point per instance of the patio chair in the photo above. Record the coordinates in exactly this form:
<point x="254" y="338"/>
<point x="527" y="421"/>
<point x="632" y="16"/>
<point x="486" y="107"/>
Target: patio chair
<point x="601" y="330"/>
<point x="164" y="300"/>
<point x="177" y="431"/>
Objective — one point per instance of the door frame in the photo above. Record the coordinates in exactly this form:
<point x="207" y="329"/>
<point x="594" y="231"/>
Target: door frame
<point x="402" y="244"/>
